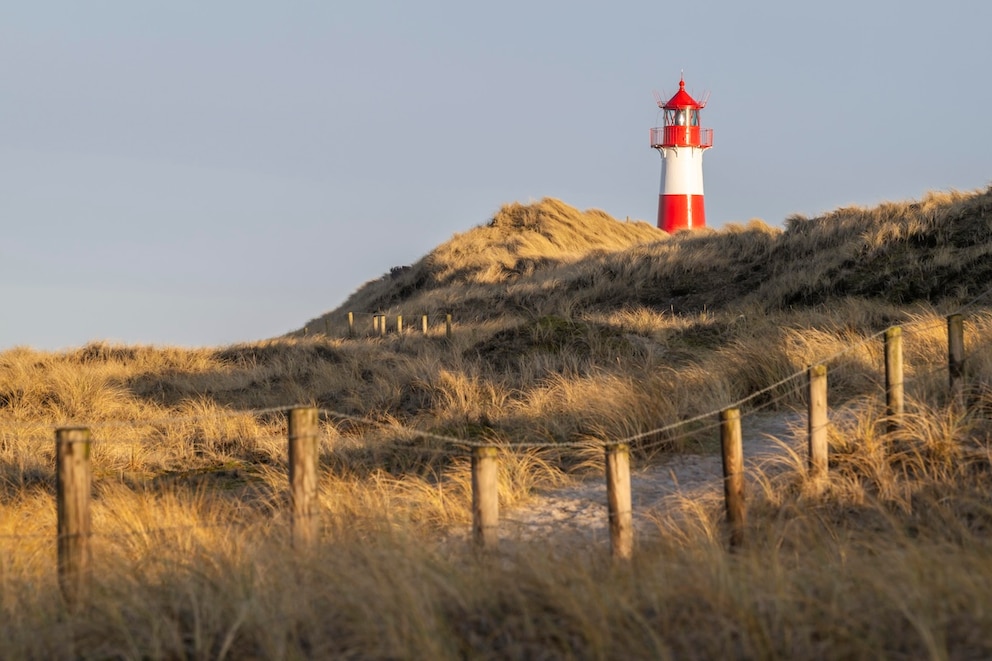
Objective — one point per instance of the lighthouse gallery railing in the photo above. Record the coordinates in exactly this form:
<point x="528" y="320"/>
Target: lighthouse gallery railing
<point x="681" y="136"/>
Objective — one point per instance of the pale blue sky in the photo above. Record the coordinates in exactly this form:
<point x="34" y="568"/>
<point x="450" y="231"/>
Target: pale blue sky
<point x="201" y="173"/>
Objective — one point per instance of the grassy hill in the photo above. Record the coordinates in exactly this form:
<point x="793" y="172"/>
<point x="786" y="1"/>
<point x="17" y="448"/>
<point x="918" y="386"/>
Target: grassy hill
<point x="570" y="328"/>
<point x="553" y="258"/>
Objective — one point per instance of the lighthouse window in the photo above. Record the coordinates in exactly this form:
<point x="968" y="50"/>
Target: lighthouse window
<point x="693" y="118"/>
<point x="680" y="118"/>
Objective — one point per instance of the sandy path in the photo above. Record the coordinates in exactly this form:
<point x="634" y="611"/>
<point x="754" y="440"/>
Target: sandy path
<point x="579" y="510"/>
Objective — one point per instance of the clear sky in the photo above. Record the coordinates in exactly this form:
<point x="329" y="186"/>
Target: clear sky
<point x="202" y="173"/>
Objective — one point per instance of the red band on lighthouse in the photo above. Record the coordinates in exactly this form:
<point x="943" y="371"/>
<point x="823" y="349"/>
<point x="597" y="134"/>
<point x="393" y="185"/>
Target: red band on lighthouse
<point x="681" y="143"/>
<point x="681" y="212"/>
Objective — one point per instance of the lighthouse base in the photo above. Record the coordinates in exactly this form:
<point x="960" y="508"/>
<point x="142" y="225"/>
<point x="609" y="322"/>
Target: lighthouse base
<point x="681" y="212"/>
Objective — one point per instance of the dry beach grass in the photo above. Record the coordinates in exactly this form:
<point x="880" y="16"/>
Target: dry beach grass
<point x="571" y="328"/>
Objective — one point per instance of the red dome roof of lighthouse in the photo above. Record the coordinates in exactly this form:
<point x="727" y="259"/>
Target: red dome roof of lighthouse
<point x="682" y="99"/>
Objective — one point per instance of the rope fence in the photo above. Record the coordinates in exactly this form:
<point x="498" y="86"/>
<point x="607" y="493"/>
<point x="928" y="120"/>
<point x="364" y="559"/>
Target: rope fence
<point x="381" y="325"/>
<point x="304" y="440"/>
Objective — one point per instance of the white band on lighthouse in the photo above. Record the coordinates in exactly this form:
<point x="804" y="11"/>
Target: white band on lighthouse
<point x="680" y="201"/>
<point x="682" y="171"/>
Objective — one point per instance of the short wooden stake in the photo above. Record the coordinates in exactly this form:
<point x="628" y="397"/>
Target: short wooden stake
<point x="733" y="473"/>
<point x="351" y="324"/>
<point x="382" y="325"/>
<point x="817" y="421"/>
<point x="618" y="501"/>
<point x="423" y="324"/>
<point x="447" y="325"/>
<point x="955" y="356"/>
<point x="485" y="498"/>
<point x="303" y="476"/>
<point x="399" y="324"/>
<point x="895" y="401"/>
<point x="73" y="483"/>
<point x="375" y="324"/>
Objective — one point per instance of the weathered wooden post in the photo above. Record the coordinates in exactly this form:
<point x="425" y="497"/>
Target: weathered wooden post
<point x="303" y="476"/>
<point x="351" y="324"/>
<point x="423" y="324"/>
<point x="382" y="325"/>
<point x="399" y="324"/>
<point x="375" y="324"/>
<point x="72" y="489"/>
<point x="955" y="356"/>
<point x="895" y="401"/>
<point x="817" y="421"/>
<point x="619" y="501"/>
<point x="733" y="474"/>
<point x="485" y="498"/>
<point x="447" y="325"/>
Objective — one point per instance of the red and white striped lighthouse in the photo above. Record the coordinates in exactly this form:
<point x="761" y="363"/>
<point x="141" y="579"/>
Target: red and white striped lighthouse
<point x="681" y="143"/>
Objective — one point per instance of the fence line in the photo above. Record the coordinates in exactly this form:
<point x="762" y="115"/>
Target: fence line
<point x="466" y="443"/>
<point x="379" y="320"/>
<point x="380" y="326"/>
<point x="74" y="479"/>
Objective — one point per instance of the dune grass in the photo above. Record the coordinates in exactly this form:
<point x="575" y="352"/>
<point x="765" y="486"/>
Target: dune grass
<point x="571" y="328"/>
<point x="890" y="558"/>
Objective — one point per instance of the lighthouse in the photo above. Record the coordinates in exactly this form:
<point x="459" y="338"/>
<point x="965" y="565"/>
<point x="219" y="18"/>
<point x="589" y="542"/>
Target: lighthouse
<point x="681" y="143"/>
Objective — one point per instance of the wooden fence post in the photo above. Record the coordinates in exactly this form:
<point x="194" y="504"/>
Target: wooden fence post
<point x="423" y="324"/>
<point x="375" y="324"/>
<point x="733" y="473"/>
<point x="955" y="356"/>
<point x="73" y="483"/>
<point x="895" y="402"/>
<point x="817" y="421"/>
<point x="303" y="476"/>
<point x="618" y="500"/>
<point x="399" y="324"/>
<point x="485" y="498"/>
<point x="382" y="325"/>
<point x="447" y="325"/>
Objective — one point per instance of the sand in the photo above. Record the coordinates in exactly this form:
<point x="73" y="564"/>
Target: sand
<point x="677" y="484"/>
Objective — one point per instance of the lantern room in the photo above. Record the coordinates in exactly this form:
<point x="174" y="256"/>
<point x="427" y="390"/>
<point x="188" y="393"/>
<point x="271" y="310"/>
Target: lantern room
<point x="682" y="125"/>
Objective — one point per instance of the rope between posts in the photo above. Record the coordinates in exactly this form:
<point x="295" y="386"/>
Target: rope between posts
<point x="703" y="416"/>
<point x="455" y="440"/>
<point x="675" y="439"/>
<point x="972" y="302"/>
<point x="714" y="425"/>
